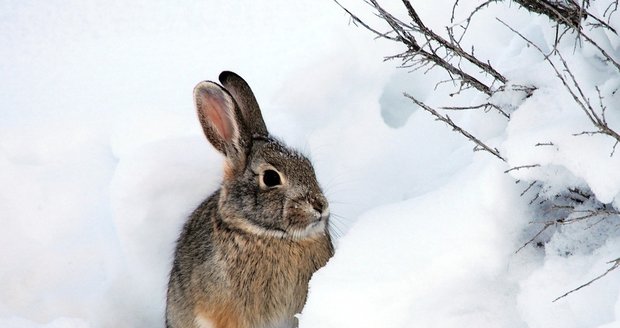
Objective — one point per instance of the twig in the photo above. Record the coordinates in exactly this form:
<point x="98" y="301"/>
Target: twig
<point x="610" y="10"/>
<point x="427" y="48"/>
<point x="446" y="119"/>
<point x="559" y="12"/>
<point x="616" y="264"/>
<point x="454" y="47"/>
<point x="545" y="227"/>
<point x="522" y="167"/>
<point x="361" y="22"/>
<point x="486" y="107"/>
<point x="591" y="214"/>
<point x="577" y="95"/>
<point x="571" y="17"/>
<point x="528" y="188"/>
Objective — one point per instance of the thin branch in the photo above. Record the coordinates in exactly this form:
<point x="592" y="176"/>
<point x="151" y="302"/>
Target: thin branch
<point x="577" y="95"/>
<point x="571" y="17"/>
<point x="559" y="12"/>
<point x="528" y="188"/>
<point x="485" y="106"/>
<point x="516" y="168"/>
<point x="610" y="10"/>
<point x="473" y="12"/>
<point x="590" y="214"/>
<point x="544" y="228"/>
<point x="425" y="47"/>
<point x="454" y="47"/>
<point x="446" y="119"/>
<point x="615" y="264"/>
<point x="361" y="22"/>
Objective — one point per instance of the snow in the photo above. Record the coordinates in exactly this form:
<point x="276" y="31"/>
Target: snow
<point x="102" y="159"/>
<point x="443" y="263"/>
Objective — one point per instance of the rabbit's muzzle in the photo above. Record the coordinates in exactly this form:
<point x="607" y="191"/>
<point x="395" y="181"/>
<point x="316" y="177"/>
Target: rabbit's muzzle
<point x="307" y="217"/>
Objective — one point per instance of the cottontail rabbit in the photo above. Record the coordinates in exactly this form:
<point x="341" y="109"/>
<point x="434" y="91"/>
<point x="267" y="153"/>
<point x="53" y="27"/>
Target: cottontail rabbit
<point x="246" y="254"/>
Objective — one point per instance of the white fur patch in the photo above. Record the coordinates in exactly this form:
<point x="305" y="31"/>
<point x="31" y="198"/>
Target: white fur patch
<point x="203" y="322"/>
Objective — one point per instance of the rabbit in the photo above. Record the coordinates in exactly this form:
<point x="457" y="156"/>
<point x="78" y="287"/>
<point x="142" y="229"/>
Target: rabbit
<point x="246" y="254"/>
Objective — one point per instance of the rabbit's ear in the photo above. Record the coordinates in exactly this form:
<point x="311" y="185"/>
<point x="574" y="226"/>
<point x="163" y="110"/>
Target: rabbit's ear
<point x="242" y="93"/>
<point x="219" y="118"/>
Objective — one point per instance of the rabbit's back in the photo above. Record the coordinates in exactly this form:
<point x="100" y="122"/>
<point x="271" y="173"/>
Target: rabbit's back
<point x="194" y="249"/>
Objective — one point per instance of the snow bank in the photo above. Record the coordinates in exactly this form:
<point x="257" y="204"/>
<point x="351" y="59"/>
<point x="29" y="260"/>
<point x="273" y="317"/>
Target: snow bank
<point x="15" y="322"/>
<point x="102" y="159"/>
<point x="445" y="265"/>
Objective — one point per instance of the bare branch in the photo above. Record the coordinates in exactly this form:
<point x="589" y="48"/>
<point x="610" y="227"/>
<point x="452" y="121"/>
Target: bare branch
<point x="357" y="20"/>
<point x="453" y="47"/>
<point x="577" y="95"/>
<point x="610" y="10"/>
<point x="544" y="228"/>
<point x="568" y="14"/>
<point x="516" y="168"/>
<point x="528" y="188"/>
<point x="615" y="264"/>
<point x="427" y="48"/>
<point x="446" y="119"/>
<point x="486" y="106"/>
<point x="606" y="212"/>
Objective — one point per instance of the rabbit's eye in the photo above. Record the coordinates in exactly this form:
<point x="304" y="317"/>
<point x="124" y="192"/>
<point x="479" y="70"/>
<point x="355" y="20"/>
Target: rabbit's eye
<point x="271" y="178"/>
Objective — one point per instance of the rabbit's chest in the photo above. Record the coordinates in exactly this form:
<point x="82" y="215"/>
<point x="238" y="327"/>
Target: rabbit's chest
<point x="272" y="276"/>
<point x="267" y="271"/>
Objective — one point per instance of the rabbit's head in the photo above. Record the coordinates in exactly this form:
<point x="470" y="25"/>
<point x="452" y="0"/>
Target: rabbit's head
<point x="268" y="188"/>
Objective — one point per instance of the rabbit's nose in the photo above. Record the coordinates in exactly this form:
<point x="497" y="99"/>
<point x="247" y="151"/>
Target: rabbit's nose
<point x="321" y="207"/>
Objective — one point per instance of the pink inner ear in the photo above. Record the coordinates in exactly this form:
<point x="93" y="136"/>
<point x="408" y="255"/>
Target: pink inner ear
<point x="216" y="113"/>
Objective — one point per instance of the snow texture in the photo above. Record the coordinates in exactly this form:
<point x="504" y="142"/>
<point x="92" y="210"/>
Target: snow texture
<point x="102" y="159"/>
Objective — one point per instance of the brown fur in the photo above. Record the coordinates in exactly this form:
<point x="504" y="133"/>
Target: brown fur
<point x="249" y="281"/>
<point x="247" y="253"/>
<point x="267" y="278"/>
